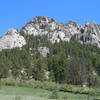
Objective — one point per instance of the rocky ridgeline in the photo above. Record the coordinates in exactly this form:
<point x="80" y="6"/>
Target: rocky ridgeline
<point x="56" y="32"/>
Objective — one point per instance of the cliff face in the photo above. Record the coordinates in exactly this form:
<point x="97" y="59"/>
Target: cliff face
<point x="87" y="34"/>
<point x="56" y="32"/>
<point x="12" y="39"/>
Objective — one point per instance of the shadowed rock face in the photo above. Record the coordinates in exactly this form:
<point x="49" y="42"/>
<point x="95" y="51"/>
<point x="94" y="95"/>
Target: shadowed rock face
<point x="89" y="34"/>
<point x="56" y="32"/>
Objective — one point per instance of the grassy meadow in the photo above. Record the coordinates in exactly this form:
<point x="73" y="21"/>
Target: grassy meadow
<point x="27" y="93"/>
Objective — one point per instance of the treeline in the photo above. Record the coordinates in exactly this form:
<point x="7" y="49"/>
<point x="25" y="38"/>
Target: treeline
<point x="70" y="63"/>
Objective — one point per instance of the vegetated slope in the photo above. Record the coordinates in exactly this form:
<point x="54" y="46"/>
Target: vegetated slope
<point x="46" y="50"/>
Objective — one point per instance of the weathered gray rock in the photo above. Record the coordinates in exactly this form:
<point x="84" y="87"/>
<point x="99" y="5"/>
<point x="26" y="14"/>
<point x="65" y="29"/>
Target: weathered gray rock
<point x="56" y="32"/>
<point x="11" y="39"/>
<point x="44" y="51"/>
<point x="89" y="34"/>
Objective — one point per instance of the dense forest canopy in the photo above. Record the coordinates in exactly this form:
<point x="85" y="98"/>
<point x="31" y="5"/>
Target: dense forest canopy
<point x="66" y="62"/>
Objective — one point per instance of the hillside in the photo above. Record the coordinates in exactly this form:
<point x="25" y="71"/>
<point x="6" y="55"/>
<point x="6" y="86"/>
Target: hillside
<point x="46" y="50"/>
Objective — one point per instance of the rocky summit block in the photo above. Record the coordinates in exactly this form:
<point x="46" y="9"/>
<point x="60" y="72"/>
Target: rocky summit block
<point x="55" y="31"/>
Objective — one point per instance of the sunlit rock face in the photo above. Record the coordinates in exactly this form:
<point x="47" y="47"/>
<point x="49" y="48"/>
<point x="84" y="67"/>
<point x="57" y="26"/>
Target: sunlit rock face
<point x="55" y="31"/>
<point x="11" y="39"/>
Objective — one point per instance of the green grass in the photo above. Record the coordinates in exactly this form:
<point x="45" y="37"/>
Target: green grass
<point x="26" y="93"/>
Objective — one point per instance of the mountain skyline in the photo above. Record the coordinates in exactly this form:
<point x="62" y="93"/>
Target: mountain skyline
<point x="15" y="14"/>
<point x="54" y="31"/>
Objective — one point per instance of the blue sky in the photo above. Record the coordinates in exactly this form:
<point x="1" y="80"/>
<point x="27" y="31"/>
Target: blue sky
<point x="16" y="13"/>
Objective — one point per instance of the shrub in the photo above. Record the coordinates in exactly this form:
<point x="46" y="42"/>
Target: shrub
<point x="51" y="86"/>
<point x="54" y="95"/>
